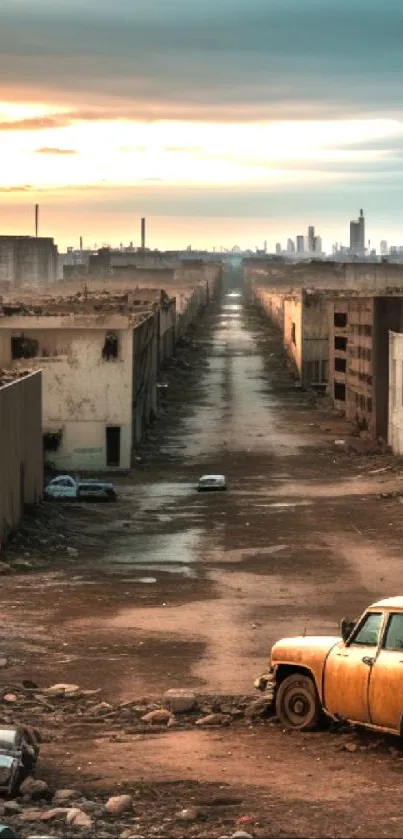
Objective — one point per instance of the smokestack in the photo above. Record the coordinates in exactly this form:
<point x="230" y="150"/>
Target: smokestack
<point x="36" y="218"/>
<point x="81" y="243"/>
<point x="143" y="233"/>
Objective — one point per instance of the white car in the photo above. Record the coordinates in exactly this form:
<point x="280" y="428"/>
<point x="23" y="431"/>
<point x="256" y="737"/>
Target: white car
<point x="66" y="487"/>
<point x="210" y="483"/>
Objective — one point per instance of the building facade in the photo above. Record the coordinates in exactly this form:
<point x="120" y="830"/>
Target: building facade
<point x="28" y="260"/>
<point x="21" y="454"/>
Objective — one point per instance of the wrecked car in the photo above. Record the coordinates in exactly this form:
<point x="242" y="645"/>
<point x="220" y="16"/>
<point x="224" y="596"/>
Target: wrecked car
<point x="66" y="487"/>
<point x="357" y="677"/>
<point x="211" y="483"/>
<point x="19" y="751"/>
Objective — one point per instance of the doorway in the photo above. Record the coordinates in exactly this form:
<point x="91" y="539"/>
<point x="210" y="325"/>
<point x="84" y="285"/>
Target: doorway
<point x="113" y="445"/>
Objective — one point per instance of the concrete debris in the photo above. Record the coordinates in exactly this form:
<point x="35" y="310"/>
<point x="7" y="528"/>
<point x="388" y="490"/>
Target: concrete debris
<point x="64" y="795"/>
<point x="119" y="804"/>
<point x="35" y="789"/>
<point x="214" y="719"/>
<point x="158" y="716"/>
<point x="180" y="700"/>
<point x="55" y="813"/>
<point x="3" y="662"/>
<point x="62" y="690"/>
<point x="189" y="814"/>
<point x="77" y="818"/>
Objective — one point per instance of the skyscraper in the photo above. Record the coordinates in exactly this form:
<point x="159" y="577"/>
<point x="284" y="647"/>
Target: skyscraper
<point x="357" y="235"/>
<point x="300" y="244"/>
<point x="290" y="246"/>
<point x="311" y="239"/>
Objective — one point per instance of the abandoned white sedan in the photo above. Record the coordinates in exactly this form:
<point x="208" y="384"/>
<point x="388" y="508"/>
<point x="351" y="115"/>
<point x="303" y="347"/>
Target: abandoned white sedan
<point x="211" y="483"/>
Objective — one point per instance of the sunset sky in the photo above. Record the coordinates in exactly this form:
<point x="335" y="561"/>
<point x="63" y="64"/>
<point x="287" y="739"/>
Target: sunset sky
<point x="225" y="122"/>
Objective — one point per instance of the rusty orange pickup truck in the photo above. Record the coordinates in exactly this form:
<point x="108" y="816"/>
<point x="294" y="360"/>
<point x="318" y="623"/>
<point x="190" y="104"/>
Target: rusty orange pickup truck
<point x="357" y="678"/>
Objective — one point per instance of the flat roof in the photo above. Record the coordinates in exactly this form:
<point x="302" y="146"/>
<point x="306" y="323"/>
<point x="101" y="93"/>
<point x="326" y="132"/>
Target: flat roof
<point x="135" y="301"/>
<point x="8" y="376"/>
<point x="389" y="603"/>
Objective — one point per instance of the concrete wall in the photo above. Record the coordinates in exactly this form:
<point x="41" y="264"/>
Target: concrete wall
<point x="144" y="382"/>
<point x="166" y="330"/>
<point x="293" y="332"/>
<point x="21" y="456"/>
<point x="395" y="392"/>
<point x="271" y="302"/>
<point x="27" y="260"/>
<point x="82" y="392"/>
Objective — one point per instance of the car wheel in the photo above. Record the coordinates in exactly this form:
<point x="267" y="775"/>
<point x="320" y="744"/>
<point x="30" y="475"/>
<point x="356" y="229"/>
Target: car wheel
<point x="111" y="495"/>
<point x="297" y="703"/>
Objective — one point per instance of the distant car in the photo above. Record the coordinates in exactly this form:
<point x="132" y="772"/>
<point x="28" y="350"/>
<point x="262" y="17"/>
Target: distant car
<point x="357" y="678"/>
<point x="211" y="483"/>
<point x="66" y="487"/>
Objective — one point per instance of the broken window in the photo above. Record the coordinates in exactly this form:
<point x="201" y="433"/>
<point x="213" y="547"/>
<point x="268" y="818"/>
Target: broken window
<point x="340" y="319"/>
<point x="340" y="391"/>
<point x="22" y="347"/>
<point x="340" y="364"/>
<point x="340" y="343"/>
<point x="52" y="441"/>
<point x="111" y="347"/>
<point x="293" y="338"/>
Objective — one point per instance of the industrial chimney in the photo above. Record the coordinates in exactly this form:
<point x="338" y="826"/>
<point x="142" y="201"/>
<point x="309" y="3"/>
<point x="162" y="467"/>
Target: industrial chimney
<point x="143" y="233"/>
<point x="36" y="218"/>
<point x="81" y="244"/>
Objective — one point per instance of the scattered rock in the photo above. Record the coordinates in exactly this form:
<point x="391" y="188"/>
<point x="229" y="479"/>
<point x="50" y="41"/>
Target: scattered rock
<point x="258" y="708"/>
<point x="30" y="816"/>
<point x="35" y="789"/>
<point x="5" y="568"/>
<point x="77" y="818"/>
<point x="241" y="834"/>
<point x="119" y="804"/>
<point x="214" y="719"/>
<point x="72" y="551"/>
<point x="64" y="795"/>
<point x="350" y="747"/>
<point x="99" y="708"/>
<point x="10" y="697"/>
<point x="55" y="813"/>
<point x="180" y="700"/>
<point x="161" y="715"/>
<point x="62" y="690"/>
<point x="3" y="662"/>
<point x="11" y="808"/>
<point x="189" y="814"/>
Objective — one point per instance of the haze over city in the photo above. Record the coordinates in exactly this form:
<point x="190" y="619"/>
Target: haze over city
<point x="229" y="123"/>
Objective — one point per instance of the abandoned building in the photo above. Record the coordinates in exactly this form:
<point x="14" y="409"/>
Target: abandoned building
<point x="21" y="456"/>
<point x="27" y="261"/>
<point x="99" y="357"/>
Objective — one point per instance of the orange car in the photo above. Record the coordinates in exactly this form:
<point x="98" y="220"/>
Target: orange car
<point x="358" y="678"/>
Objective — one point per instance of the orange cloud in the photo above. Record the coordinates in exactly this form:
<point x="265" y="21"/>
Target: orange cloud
<point x="50" y="150"/>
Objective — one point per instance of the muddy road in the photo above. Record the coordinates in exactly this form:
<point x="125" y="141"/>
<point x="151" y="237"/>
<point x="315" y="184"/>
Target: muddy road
<point x="169" y="588"/>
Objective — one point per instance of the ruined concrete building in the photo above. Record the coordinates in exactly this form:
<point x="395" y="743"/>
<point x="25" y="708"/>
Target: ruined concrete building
<point x="100" y="356"/>
<point x="21" y="457"/>
<point x="27" y="260"/>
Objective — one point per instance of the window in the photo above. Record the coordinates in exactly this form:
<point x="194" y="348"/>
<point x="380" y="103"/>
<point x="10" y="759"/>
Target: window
<point x="369" y="405"/>
<point x="340" y="391"/>
<point x="340" y="319"/>
<point x="24" y="347"/>
<point x="368" y="633"/>
<point x="340" y="365"/>
<point x="394" y="633"/>
<point x="111" y="346"/>
<point x="340" y="343"/>
<point x="113" y="445"/>
<point x="293" y="338"/>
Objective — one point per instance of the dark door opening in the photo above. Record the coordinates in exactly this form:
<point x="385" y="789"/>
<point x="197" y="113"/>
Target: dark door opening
<point x="113" y="445"/>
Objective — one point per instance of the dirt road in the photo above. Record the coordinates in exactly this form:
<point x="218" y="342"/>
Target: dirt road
<point x="169" y="588"/>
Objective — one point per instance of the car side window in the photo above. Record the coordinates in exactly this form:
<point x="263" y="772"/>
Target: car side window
<point x="368" y="634"/>
<point x="394" y="633"/>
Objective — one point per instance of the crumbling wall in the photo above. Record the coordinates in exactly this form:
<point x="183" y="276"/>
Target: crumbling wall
<point x="364" y="277"/>
<point x="315" y="327"/>
<point x="21" y="455"/>
<point x="395" y="424"/>
<point x="293" y="329"/>
<point x="145" y="366"/>
<point x="272" y="303"/>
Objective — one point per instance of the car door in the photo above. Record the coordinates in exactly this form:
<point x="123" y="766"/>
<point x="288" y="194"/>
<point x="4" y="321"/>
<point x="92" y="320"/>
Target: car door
<point x="348" y="669"/>
<point x="386" y="679"/>
<point x="69" y="488"/>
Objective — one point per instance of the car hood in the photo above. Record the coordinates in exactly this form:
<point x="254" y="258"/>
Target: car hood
<point x="302" y="648"/>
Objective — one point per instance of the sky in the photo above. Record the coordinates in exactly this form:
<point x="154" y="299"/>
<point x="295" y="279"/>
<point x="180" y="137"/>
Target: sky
<point x="227" y="122"/>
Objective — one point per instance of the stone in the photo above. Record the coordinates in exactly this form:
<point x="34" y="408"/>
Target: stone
<point x="10" y="697"/>
<point x="3" y="662"/>
<point x="5" y="568"/>
<point x="11" y="808"/>
<point x="350" y="747"/>
<point x="214" y="719"/>
<point x="64" y="795"/>
<point x="189" y="814"/>
<point x="30" y="816"/>
<point x="72" y="551"/>
<point x="180" y="700"/>
<point x="159" y="716"/>
<point x="99" y="708"/>
<point x="128" y="834"/>
<point x="119" y="804"/>
<point x="61" y="690"/>
<point x="241" y="834"/>
<point x="77" y="818"/>
<point x="35" y="788"/>
<point x="55" y="813"/>
<point x="258" y="708"/>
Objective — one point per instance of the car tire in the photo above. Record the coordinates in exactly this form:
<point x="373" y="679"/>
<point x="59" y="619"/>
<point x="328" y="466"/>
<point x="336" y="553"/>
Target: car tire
<point x="297" y="703"/>
<point x="111" y="495"/>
